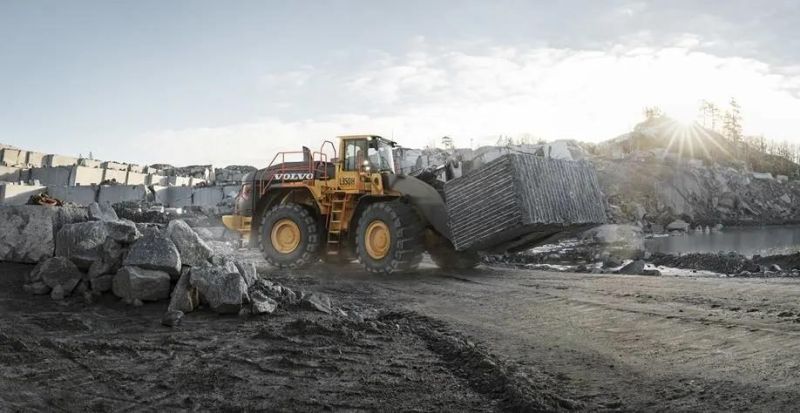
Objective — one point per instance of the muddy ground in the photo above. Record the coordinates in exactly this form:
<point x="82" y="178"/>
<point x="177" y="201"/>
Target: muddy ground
<point x="492" y="339"/>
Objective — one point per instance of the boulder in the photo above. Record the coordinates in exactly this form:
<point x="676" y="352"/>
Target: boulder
<point x="110" y="259"/>
<point x="633" y="268"/>
<point x="26" y="233"/>
<point x="102" y="283"/>
<point x="102" y="212"/>
<point x="260" y="303"/>
<point x="82" y="242"/>
<point x="154" y="252"/>
<point x="248" y="272"/>
<point x="172" y="318"/>
<point x="194" y="251"/>
<point x="678" y="225"/>
<point x="134" y="283"/>
<point x="184" y="297"/>
<point x="58" y="293"/>
<point x="316" y="301"/>
<point x="786" y="198"/>
<point x="123" y="231"/>
<point x="221" y="286"/>
<point x="69" y="214"/>
<point x="57" y="272"/>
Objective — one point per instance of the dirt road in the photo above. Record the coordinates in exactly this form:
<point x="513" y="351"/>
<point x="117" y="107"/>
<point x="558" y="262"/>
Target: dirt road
<point x="494" y="339"/>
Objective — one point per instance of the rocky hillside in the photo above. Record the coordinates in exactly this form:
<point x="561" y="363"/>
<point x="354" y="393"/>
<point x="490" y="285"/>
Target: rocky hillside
<point x="663" y="171"/>
<point x="645" y="189"/>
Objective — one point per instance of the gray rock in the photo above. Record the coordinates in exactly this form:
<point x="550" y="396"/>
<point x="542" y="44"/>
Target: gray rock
<point x="316" y="301"/>
<point x="123" y="231"/>
<point x="678" y="225"/>
<point x="184" y="297"/>
<point x="223" y="289"/>
<point x="69" y="214"/>
<point x="654" y="273"/>
<point x="194" y="251"/>
<point x="134" y="283"/>
<point x="82" y="243"/>
<point x="261" y="304"/>
<point x="102" y="212"/>
<point x="633" y="268"/>
<point x="26" y="233"/>
<point x="154" y="252"/>
<point x="57" y="293"/>
<point x="58" y="272"/>
<point x="775" y="268"/>
<point x="172" y="318"/>
<point x="248" y="272"/>
<point x="102" y="283"/>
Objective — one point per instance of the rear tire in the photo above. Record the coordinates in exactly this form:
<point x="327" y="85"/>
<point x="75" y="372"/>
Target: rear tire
<point x="290" y="236"/>
<point x="389" y="238"/>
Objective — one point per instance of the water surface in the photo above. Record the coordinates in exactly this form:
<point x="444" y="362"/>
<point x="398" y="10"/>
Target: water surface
<point x="749" y="241"/>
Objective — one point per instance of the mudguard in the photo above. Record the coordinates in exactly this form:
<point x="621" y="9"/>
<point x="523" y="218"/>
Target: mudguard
<point x="425" y="198"/>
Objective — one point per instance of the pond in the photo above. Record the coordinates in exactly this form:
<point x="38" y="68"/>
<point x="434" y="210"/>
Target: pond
<point x="748" y="241"/>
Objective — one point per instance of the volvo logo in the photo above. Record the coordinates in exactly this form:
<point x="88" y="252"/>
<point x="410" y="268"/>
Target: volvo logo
<point x="295" y="176"/>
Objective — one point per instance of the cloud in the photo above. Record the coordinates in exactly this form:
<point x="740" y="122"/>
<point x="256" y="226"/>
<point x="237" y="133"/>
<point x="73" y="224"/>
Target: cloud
<point x="475" y="96"/>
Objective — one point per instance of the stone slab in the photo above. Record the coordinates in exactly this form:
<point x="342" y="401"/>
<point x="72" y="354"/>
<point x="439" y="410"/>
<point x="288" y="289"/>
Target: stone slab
<point x="85" y="175"/>
<point x="18" y="194"/>
<point x="34" y="159"/>
<point x="119" y="193"/>
<point x="10" y="174"/>
<point x="518" y="200"/>
<point x="53" y="160"/>
<point x="81" y="195"/>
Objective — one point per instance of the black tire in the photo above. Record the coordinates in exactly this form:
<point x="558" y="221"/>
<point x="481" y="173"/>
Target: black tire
<point x="307" y="251"/>
<point x="406" y="237"/>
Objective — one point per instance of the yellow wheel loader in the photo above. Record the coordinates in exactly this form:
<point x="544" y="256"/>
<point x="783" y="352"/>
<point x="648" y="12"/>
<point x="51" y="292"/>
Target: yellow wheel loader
<point x="306" y="206"/>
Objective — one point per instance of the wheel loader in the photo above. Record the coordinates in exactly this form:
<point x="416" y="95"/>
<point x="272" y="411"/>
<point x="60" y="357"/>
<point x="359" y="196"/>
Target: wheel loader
<point x="306" y="206"/>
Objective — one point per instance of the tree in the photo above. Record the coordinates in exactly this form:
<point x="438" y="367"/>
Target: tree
<point x="710" y="114"/>
<point x="652" y="112"/>
<point x="732" y="127"/>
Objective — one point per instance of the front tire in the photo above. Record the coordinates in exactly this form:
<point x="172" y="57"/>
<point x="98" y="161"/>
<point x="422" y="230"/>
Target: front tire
<point x="389" y="238"/>
<point x="290" y="236"/>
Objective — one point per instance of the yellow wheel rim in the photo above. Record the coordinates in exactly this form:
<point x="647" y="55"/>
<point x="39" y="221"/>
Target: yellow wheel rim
<point x="378" y="239"/>
<point x="285" y="236"/>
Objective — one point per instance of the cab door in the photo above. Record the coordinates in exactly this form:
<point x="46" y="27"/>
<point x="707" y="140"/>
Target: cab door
<point x="354" y="159"/>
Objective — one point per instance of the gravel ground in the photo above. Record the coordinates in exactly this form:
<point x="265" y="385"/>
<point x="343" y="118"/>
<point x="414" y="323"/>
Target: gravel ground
<point x="493" y="339"/>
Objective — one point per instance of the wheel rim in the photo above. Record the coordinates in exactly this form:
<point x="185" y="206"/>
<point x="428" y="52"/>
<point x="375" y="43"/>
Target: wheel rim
<point x="285" y="236"/>
<point x="378" y="239"/>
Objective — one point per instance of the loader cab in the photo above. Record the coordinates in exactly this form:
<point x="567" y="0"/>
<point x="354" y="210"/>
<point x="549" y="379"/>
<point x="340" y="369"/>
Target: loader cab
<point x="362" y="157"/>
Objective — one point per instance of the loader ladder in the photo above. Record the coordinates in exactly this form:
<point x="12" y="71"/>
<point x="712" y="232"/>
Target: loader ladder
<point x="335" y="221"/>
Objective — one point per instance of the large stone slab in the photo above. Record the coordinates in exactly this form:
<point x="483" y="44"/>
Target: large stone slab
<point x="26" y="233"/>
<point x="18" y="194"/>
<point x="520" y="200"/>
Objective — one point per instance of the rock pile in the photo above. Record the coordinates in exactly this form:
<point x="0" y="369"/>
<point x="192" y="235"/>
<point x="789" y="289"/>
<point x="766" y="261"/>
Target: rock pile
<point x="139" y="262"/>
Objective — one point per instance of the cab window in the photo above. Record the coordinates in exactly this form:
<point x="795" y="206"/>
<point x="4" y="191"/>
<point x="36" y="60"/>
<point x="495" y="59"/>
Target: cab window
<point x="355" y="153"/>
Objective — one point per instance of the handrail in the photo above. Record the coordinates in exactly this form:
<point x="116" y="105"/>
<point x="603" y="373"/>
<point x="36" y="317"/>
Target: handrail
<point x="317" y="165"/>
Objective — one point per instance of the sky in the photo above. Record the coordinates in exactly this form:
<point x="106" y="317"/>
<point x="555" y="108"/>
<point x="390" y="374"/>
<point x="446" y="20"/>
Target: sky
<point x="198" y="82"/>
